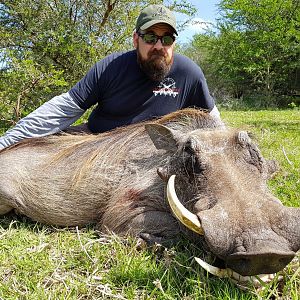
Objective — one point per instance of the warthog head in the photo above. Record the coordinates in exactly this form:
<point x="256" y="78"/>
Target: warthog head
<point x="220" y="192"/>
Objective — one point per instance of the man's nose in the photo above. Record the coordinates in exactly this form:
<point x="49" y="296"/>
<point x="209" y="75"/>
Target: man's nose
<point x="158" y="44"/>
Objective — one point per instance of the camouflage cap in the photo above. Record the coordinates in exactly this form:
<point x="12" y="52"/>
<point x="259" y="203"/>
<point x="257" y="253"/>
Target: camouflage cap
<point x="154" y="14"/>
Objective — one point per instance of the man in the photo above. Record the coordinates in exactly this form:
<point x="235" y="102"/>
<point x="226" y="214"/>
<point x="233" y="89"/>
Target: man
<point x="127" y="87"/>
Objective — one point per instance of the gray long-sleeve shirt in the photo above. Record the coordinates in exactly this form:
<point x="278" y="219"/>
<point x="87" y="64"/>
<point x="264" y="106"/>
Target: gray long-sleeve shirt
<point x="51" y="117"/>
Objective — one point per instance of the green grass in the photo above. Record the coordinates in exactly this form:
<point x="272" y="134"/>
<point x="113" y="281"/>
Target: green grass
<point x="44" y="262"/>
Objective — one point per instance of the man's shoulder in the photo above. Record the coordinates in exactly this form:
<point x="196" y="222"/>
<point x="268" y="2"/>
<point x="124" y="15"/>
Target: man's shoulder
<point x="184" y="64"/>
<point x="180" y="58"/>
<point x="121" y="56"/>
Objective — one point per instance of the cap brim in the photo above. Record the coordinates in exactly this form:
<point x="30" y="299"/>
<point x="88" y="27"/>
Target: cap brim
<point x="153" y="22"/>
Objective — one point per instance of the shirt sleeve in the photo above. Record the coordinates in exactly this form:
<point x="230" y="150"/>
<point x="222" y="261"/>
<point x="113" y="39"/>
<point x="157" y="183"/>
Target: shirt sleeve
<point x="51" y="117"/>
<point x="215" y="113"/>
<point x="202" y="97"/>
<point x="198" y="94"/>
<point x="96" y="84"/>
<point x="86" y="92"/>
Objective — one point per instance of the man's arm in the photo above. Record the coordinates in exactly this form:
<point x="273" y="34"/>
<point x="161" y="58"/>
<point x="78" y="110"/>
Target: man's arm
<point x="51" y="117"/>
<point x="215" y="112"/>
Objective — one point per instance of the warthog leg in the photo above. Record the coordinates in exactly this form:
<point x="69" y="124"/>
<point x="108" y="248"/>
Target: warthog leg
<point x="4" y="208"/>
<point x="155" y="225"/>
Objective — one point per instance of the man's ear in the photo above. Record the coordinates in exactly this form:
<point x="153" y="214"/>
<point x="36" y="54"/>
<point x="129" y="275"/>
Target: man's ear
<point x="135" y="38"/>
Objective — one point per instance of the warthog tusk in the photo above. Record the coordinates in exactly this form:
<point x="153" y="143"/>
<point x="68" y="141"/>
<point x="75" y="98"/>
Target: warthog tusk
<point x="256" y="280"/>
<point x="222" y="273"/>
<point x="187" y="218"/>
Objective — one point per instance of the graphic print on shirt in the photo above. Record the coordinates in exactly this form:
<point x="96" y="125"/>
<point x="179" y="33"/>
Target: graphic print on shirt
<point x="167" y="87"/>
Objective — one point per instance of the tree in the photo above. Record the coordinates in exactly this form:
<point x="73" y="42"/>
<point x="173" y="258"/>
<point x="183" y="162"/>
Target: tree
<point x="270" y="34"/>
<point x="255" y="48"/>
<point x="48" y="45"/>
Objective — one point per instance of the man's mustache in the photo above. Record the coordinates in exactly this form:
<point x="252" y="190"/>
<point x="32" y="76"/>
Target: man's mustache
<point x="157" y="53"/>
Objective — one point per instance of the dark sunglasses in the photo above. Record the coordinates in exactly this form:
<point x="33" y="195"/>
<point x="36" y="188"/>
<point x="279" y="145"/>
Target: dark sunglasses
<point x="151" y="38"/>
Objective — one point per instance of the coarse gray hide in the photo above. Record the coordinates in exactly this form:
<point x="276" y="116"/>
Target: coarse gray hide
<point x="118" y="181"/>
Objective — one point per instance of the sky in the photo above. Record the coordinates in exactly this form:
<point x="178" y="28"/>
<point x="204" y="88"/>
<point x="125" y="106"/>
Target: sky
<point x="207" y="13"/>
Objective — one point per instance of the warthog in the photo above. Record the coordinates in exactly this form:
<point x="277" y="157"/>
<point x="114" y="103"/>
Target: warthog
<point x="121" y="180"/>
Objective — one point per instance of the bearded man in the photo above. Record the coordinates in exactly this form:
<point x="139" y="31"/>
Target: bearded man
<point x="126" y="87"/>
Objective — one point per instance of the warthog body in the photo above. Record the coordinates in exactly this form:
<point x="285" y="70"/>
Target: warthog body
<point x="118" y="180"/>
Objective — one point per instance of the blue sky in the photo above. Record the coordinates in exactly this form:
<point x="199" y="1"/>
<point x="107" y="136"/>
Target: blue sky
<point x="207" y="12"/>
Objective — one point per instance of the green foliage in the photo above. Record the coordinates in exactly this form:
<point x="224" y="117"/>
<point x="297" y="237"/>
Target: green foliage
<point x="254" y="50"/>
<point x="267" y="40"/>
<point x="25" y="86"/>
<point x="46" y="46"/>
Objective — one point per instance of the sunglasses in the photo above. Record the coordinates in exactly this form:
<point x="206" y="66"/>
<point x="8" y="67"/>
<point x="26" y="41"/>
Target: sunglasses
<point x="151" y="38"/>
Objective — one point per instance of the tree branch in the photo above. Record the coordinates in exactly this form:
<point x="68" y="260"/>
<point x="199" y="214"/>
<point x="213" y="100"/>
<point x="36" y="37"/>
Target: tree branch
<point x="109" y="8"/>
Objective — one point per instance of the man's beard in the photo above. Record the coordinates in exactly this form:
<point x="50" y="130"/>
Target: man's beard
<point x="156" y="66"/>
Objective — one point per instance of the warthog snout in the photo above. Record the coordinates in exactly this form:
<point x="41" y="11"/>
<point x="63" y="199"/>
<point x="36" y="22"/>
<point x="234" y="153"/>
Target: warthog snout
<point x="259" y="263"/>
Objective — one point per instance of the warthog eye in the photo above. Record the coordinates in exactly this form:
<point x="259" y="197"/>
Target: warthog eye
<point x="188" y="149"/>
<point x="192" y="163"/>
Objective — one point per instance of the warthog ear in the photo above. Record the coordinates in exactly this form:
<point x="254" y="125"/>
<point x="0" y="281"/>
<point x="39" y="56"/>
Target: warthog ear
<point x="163" y="137"/>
